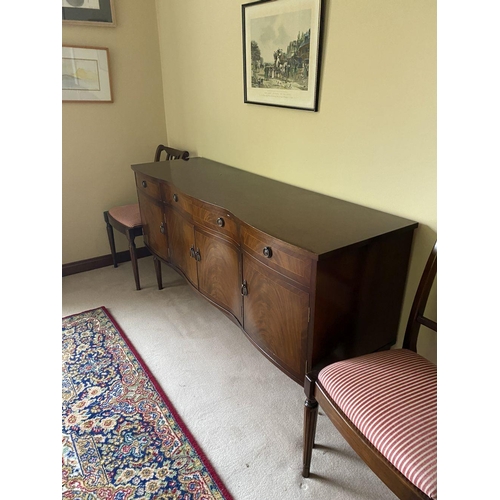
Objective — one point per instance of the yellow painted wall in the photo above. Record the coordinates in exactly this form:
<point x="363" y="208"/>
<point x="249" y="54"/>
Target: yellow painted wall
<point x="373" y="140"/>
<point x="101" y="140"/>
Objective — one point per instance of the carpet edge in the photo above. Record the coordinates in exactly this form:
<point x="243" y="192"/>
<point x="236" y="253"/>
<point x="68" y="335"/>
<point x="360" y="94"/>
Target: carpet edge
<point x="215" y="476"/>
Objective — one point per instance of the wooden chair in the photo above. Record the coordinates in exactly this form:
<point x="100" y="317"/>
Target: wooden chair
<point x="385" y="405"/>
<point x="127" y="218"/>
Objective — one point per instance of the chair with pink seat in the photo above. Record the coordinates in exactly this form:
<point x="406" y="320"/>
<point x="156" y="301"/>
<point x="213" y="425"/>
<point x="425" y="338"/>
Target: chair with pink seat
<point x="127" y="218"/>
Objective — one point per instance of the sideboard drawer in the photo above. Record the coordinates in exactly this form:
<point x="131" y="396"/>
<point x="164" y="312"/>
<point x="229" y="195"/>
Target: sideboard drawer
<point x="276" y="254"/>
<point x="148" y="185"/>
<point x="217" y="219"/>
<point x="175" y="198"/>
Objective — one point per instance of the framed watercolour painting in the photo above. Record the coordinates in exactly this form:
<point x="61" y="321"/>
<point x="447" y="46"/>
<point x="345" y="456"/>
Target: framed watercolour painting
<point x="85" y="74"/>
<point x="88" y="12"/>
<point x="282" y="53"/>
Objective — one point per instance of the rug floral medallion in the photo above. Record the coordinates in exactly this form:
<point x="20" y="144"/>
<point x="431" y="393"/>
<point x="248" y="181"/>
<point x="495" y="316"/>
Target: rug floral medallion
<point x="122" y="439"/>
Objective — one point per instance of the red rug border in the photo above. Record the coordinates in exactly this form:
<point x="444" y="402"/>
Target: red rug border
<point x="166" y="400"/>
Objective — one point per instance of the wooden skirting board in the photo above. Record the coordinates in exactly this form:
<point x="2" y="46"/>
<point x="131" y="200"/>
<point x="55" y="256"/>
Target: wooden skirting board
<point x="102" y="261"/>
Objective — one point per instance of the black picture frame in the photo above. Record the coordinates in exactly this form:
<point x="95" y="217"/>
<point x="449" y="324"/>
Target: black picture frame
<point x="80" y="14"/>
<point x="282" y="49"/>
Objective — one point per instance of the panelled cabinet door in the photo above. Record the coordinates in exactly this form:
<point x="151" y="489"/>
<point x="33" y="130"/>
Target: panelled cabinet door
<point x="219" y="272"/>
<point x="153" y="227"/>
<point x="181" y="238"/>
<point x="275" y="316"/>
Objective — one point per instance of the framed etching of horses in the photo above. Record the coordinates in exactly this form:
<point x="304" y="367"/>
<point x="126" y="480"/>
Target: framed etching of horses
<point x="282" y="53"/>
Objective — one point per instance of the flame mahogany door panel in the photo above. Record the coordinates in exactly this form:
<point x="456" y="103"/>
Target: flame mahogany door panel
<point x="181" y="237"/>
<point x="153" y="227"/>
<point x="219" y="272"/>
<point x="276" y="316"/>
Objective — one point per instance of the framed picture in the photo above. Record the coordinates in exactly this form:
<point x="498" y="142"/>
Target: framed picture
<point x="282" y="53"/>
<point x="88" y="12"/>
<point x="85" y="74"/>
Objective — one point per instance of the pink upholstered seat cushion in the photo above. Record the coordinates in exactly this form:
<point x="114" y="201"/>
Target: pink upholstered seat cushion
<point x="391" y="397"/>
<point x="128" y="215"/>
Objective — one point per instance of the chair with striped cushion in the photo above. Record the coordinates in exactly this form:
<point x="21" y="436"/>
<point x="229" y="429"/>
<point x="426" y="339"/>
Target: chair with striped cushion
<point x="385" y="405"/>
<point x="127" y="218"/>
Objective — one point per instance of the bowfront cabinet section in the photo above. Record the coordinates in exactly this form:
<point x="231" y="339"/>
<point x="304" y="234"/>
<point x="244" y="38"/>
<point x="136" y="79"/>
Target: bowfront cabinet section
<point x="209" y="262"/>
<point x="276" y="281"/>
<point x="152" y="218"/>
<point x="309" y="278"/>
<point x="276" y="316"/>
<point x="219" y="272"/>
<point x="182" y="244"/>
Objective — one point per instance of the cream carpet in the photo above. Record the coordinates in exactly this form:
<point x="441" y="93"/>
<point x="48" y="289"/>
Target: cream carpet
<point x="245" y="413"/>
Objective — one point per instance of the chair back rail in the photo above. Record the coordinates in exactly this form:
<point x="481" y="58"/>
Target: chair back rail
<point x="417" y="317"/>
<point x="171" y="153"/>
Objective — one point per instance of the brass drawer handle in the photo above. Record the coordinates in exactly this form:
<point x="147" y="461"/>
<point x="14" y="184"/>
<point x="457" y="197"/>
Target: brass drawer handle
<point x="144" y="184"/>
<point x="244" y="288"/>
<point x="175" y="197"/>
<point x="220" y="222"/>
<point x="267" y="252"/>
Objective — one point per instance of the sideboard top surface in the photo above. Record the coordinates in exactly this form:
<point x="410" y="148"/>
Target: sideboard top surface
<point x="312" y="221"/>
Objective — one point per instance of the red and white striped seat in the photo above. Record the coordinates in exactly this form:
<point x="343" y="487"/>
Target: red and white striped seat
<point x="391" y="397"/>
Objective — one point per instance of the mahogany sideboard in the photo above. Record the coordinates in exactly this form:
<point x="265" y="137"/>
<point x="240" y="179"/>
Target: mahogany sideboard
<point x="310" y="279"/>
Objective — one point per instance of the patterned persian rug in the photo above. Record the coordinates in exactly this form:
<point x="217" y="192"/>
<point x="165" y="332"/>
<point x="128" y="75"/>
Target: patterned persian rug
<point x="122" y="439"/>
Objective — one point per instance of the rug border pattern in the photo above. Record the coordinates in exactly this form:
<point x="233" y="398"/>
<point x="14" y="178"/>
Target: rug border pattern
<point x="166" y="400"/>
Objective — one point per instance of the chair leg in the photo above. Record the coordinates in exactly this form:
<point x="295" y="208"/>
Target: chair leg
<point x="157" y="264"/>
<point x="310" y="420"/>
<point x="111" y="238"/>
<point x="133" y="258"/>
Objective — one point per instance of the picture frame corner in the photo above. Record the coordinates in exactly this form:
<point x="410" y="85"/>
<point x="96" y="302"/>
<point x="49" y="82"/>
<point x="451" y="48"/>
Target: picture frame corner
<point x="80" y="14"/>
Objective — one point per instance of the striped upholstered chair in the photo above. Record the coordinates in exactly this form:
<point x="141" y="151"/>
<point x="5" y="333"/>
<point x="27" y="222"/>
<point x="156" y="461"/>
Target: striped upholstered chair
<point x="127" y="218"/>
<point x="385" y="405"/>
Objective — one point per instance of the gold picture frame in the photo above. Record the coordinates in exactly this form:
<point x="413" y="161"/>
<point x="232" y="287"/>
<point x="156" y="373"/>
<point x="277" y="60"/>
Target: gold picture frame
<point x="85" y="74"/>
